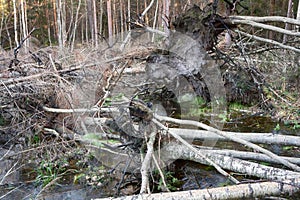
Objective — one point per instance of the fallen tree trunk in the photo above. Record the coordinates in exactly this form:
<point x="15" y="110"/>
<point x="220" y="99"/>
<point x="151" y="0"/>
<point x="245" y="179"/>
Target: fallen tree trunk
<point x="263" y="138"/>
<point x="245" y="155"/>
<point x="249" y="190"/>
<point x="177" y="151"/>
<point x="266" y="19"/>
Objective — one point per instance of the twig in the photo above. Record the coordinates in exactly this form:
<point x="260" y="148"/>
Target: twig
<point x="16" y="50"/>
<point x="10" y="171"/>
<point x="161" y="174"/>
<point x="280" y="97"/>
<point x="109" y="85"/>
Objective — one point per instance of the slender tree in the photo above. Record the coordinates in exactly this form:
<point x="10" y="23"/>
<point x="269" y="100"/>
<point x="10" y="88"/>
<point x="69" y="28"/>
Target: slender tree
<point x="75" y="25"/>
<point x="298" y="14"/>
<point x="101" y="19"/>
<point x="89" y="4"/>
<point x="287" y="25"/>
<point x="15" y="23"/>
<point x="24" y="23"/>
<point x="95" y="23"/>
<point x="109" y="22"/>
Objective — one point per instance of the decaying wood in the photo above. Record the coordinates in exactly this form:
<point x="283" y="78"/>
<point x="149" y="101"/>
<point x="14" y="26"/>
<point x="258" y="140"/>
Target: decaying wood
<point x="264" y="138"/>
<point x="249" y="190"/>
<point x="246" y="155"/>
<point x="208" y="135"/>
<point x="235" y="139"/>
<point x="229" y="163"/>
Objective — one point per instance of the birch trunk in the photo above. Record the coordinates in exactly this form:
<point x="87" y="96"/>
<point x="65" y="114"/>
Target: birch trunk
<point x="109" y="22"/>
<point x="15" y="23"/>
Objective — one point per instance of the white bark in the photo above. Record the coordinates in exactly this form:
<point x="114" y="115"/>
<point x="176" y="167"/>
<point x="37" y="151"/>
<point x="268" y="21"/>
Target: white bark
<point x="196" y="152"/>
<point x="95" y="23"/>
<point x="298" y="15"/>
<point x="75" y="25"/>
<point x="15" y="23"/>
<point x="269" y="41"/>
<point x="177" y="151"/>
<point x="235" y="139"/>
<point x="249" y="190"/>
<point x="267" y="19"/>
<point x="287" y="25"/>
<point x="265" y="138"/>
<point x="267" y="27"/>
<point x="109" y="21"/>
<point x="148" y="8"/>
<point x="146" y="163"/>
<point x="24" y="23"/>
<point x="245" y="155"/>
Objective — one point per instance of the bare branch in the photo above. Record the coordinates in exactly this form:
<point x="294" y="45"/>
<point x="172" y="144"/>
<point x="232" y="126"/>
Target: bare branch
<point x="146" y="10"/>
<point x="267" y="19"/>
<point x="267" y="27"/>
<point x="269" y="41"/>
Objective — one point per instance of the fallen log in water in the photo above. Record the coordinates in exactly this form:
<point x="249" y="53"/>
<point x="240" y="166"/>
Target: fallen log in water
<point x="249" y="190"/>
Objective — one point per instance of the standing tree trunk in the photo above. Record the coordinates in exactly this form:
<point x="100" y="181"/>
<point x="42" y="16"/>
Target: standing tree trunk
<point x="55" y="18"/>
<point x="121" y="19"/>
<point x="114" y="18"/>
<point x="86" y="28"/>
<point x="129" y="15"/>
<point x="24" y="23"/>
<point x="298" y="14"/>
<point x="15" y="23"/>
<point x="155" y="19"/>
<point x="272" y="12"/>
<point x="101" y="19"/>
<point x="95" y="24"/>
<point x="90" y="19"/>
<point x="166" y="15"/>
<point x="289" y="15"/>
<point x="75" y="25"/>
<point x="109" y="23"/>
<point x="61" y="23"/>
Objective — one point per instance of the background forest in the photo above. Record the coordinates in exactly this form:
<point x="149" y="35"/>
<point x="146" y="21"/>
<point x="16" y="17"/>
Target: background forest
<point x="107" y="98"/>
<point x="70" y="22"/>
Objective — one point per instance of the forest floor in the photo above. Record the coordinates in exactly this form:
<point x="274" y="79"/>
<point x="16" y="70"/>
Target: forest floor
<point x="49" y="155"/>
